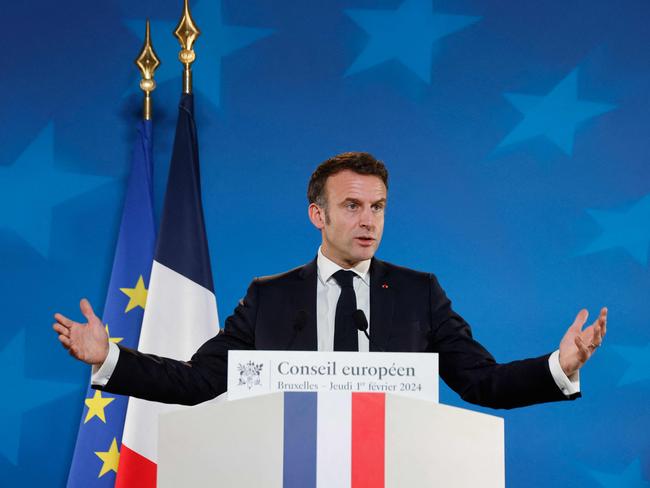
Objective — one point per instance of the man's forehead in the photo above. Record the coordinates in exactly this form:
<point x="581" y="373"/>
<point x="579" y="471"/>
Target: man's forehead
<point x="348" y="184"/>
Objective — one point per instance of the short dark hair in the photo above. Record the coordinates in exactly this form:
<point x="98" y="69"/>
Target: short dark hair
<point x="362" y="163"/>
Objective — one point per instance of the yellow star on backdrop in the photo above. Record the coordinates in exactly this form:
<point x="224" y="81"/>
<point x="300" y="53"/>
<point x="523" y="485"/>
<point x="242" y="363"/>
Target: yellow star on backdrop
<point x="110" y="458"/>
<point x="137" y="296"/>
<point x="113" y="339"/>
<point x="96" y="406"/>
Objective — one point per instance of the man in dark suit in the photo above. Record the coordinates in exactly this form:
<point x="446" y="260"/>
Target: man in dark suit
<point x="313" y="308"/>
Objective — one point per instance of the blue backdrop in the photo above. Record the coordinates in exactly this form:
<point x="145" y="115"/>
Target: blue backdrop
<point x="516" y="137"/>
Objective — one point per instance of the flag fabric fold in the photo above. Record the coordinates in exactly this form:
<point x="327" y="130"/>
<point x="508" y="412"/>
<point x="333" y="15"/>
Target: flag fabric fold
<point x="181" y="310"/>
<point x="97" y="451"/>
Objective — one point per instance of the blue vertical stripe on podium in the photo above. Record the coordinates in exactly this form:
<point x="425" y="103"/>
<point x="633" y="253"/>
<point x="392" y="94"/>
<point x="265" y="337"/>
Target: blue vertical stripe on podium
<point x="300" y="423"/>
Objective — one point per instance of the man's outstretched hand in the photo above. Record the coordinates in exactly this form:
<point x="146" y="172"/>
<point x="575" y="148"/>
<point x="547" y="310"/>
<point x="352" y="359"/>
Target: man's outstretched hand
<point x="87" y="342"/>
<point x="578" y="345"/>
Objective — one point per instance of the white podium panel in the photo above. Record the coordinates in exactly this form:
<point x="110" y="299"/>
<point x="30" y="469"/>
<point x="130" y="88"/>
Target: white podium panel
<point x="433" y="442"/>
<point x="226" y="444"/>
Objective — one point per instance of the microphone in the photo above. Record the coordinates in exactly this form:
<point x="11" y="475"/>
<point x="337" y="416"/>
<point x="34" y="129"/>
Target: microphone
<point x="299" y="323"/>
<point x="361" y="322"/>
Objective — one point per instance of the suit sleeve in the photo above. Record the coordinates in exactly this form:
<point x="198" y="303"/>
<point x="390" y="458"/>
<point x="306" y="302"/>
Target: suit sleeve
<point x="472" y="372"/>
<point x="204" y="377"/>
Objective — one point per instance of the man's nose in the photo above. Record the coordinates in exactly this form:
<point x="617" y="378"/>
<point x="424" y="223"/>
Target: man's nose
<point x="367" y="218"/>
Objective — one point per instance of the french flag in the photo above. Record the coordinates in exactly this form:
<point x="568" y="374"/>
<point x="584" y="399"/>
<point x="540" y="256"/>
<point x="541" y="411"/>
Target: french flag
<point x="344" y="446"/>
<point x="181" y="310"/>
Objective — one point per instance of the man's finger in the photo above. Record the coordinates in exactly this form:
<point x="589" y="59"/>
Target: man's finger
<point x="603" y="316"/>
<point x="599" y="328"/>
<point x="580" y="320"/>
<point x="583" y="351"/>
<point x="597" y="337"/>
<point x="63" y="320"/>
<point x="65" y="341"/>
<point x="60" y="329"/>
<point x="87" y="309"/>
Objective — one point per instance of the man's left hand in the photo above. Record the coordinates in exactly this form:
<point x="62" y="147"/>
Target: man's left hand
<point x="578" y="345"/>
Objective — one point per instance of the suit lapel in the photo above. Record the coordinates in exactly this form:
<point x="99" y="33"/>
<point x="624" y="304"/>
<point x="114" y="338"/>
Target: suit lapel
<point x="304" y="298"/>
<point x="381" y="305"/>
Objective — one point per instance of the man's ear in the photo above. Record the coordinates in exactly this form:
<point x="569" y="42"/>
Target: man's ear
<point x="316" y="215"/>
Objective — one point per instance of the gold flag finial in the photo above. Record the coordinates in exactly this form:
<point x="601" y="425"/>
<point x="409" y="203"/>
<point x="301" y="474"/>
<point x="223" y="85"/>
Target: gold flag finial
<point x="147" y="62"/>
<point x="187" y="32"/>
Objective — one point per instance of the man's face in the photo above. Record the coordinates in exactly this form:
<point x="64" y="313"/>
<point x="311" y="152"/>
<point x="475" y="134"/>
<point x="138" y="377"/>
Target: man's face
<point x="353" y="221"/>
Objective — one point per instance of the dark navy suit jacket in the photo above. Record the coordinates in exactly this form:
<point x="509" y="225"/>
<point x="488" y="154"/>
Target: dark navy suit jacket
<point x="409" y="312"/>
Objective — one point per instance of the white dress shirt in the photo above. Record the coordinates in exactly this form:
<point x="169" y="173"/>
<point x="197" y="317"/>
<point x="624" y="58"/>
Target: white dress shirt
<point x="327" y="296"/>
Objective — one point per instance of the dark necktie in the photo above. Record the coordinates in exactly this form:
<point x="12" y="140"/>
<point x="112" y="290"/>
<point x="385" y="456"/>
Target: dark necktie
<point x="345" y="332"/>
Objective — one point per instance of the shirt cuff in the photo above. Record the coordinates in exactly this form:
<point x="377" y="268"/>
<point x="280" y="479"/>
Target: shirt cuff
<point x="101" y="374"/>
<point x="570" y="385"/>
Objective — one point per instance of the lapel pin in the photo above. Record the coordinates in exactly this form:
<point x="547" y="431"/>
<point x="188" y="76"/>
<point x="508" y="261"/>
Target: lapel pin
<point x="385" y="286"/>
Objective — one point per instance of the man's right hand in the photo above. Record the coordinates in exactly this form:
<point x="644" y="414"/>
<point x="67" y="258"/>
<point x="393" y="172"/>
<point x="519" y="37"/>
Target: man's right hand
<point x="87" y="342"/>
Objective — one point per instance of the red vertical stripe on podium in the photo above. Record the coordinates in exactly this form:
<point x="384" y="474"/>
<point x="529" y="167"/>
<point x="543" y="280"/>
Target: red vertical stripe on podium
<point x="368" y="429"/>
<point x="135" y="470"/>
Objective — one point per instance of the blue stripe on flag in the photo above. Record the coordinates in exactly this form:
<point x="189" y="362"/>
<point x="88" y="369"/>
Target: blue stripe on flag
<point x="300" y="420"/>
<point x="183" y="210"/>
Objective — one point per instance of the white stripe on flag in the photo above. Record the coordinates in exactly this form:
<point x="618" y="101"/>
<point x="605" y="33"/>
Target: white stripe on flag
<point x="180" y="315"/>
<point x="334" y="441"/>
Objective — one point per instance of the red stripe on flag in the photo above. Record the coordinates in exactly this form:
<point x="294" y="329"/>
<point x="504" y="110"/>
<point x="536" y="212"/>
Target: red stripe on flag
<point x="368" y="429"/>
<point x="135" y="470"/>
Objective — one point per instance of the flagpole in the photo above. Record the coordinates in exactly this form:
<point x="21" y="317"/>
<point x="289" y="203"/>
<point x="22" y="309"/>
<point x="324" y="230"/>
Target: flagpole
<point x="147" y="62"/>
<point x="187" y="32"/>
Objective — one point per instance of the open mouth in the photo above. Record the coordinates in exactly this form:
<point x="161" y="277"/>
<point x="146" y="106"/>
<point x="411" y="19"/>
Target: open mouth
<point x="365" y="241"/>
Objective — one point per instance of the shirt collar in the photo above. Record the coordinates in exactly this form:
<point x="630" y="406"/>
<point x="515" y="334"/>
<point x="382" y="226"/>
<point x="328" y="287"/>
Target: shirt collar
<point x="327" y="267"/>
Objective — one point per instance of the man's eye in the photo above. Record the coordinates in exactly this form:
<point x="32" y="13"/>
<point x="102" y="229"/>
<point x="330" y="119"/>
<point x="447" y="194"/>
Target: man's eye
<point x="377" y="208"/>
<point x="352" y="206"/>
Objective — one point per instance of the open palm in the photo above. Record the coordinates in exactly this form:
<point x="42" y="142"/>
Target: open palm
<point x="87" y="342"/>
<point x="578" y="345"/>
